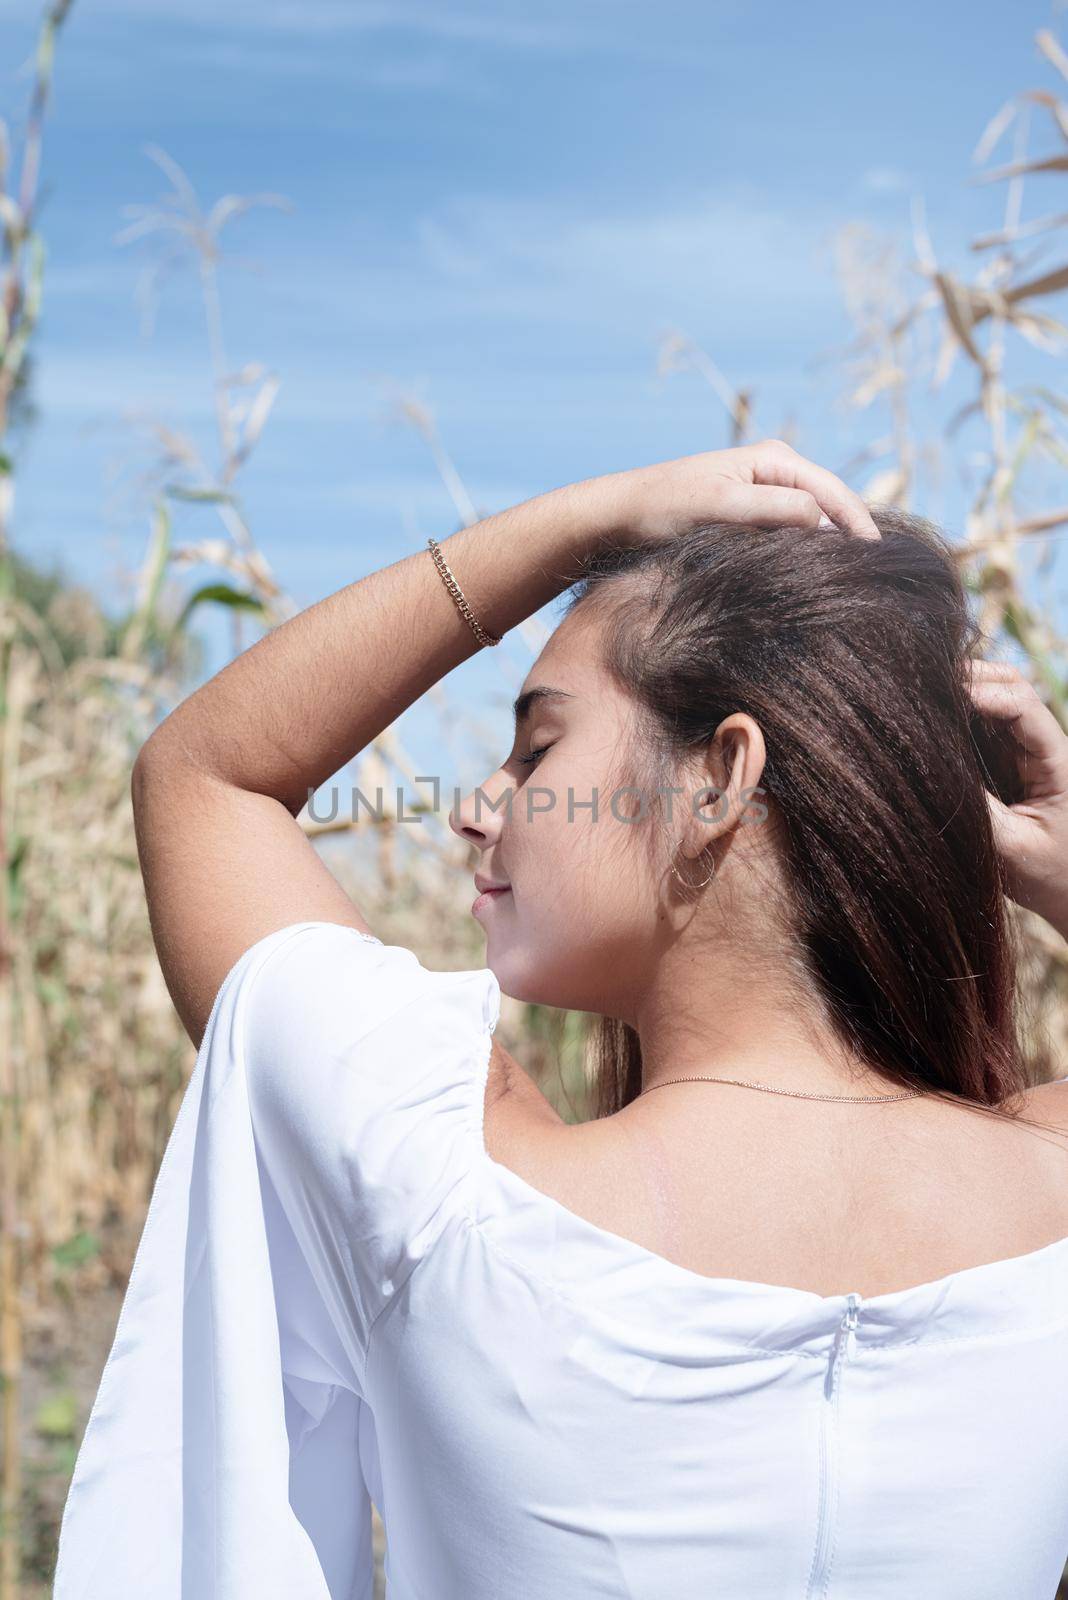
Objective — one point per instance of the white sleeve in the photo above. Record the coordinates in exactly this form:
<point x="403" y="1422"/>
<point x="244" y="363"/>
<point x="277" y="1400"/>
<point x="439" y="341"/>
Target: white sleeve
<point x="361" y="1066"/>
<point x="226" y="1454"/>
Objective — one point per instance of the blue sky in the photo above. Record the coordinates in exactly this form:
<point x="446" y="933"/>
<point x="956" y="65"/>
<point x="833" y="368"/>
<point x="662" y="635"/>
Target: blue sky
<point x="499" y="208"/>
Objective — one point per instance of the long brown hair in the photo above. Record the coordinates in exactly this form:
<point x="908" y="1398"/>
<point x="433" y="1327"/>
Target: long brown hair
<point x="851" y="656"/>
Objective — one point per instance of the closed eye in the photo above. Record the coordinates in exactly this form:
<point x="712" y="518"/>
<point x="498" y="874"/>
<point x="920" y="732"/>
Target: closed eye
<point x="534" y="756"/>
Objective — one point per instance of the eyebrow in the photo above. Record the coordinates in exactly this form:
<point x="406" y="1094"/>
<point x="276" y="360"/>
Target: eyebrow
<point x="523" y="703"/>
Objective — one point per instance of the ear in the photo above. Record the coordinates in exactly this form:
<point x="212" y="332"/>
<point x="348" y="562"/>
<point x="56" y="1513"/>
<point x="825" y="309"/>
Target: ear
<point x="724" y="777"/>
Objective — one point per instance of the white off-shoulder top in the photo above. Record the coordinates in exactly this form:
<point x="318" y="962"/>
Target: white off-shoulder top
<point x="340" y="1297"/>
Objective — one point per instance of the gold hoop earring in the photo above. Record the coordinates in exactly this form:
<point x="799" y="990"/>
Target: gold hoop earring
<point x="704" y="882"/>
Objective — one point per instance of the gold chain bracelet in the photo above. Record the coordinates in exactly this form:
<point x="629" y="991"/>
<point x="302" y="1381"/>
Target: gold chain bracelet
<point x="458" y="595"/>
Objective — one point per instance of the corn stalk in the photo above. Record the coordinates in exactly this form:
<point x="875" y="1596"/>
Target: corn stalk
<point x="20" y="303"/>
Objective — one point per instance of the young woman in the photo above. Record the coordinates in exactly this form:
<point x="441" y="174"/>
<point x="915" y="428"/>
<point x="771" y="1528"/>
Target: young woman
<point x="789" y="1317"/>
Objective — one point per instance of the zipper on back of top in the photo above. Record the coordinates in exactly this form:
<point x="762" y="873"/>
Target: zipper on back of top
<point x="841" y="1350"/>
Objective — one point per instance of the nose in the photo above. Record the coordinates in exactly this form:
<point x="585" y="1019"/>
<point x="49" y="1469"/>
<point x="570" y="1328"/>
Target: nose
<point x="479" y="817"/>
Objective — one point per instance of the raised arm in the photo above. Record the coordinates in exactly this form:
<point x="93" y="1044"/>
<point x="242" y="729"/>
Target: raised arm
<point x="218" y="787"/>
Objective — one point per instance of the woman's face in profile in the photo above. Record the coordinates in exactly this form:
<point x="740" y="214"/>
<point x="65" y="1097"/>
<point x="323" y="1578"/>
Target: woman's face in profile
<point x="560" y="822"/>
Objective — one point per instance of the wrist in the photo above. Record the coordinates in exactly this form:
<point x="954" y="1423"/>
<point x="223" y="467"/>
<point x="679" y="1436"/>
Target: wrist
<point x="606" y="511"/>
<point x="574" y="522"/>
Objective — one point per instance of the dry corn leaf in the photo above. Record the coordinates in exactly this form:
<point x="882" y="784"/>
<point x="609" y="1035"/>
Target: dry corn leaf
<point x="995" y="128"/>
<point x="1056" y="108"/>
<point x="258" y="412"/>
<point x="958" y="311"/>
<point x="1049" y="283"/>
<point x="1043" y="521"/>
<point x="883" y="378"/>
<point x="1045" y="333"/>
<point x="886" y="488"/>
<point x="1021" y="230"/>
<point x="1051" y="48"/>
<point x="1019" y="169"/>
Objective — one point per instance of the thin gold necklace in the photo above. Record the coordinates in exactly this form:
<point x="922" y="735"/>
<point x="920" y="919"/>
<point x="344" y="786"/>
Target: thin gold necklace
<point x="801" y="1094"/>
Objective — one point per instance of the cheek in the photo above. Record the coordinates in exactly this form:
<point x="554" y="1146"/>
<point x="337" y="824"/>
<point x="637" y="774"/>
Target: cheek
<point x="556" y="850"/>
<point x="594" y="872"/>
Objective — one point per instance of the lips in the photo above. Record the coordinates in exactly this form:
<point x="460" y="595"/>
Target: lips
<point x="488" y="892"/>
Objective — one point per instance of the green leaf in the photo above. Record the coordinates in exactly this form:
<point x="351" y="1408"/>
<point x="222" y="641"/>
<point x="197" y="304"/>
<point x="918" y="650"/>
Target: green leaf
<point x="77" y="1250"/>
<point x="52" y="991"/>
<point x="1019" y="625"/>
<point x="57" y="1417"/>
<point x="178" y="491"/>
<point x="64" y="1458"/>
<point x="18" y="851"/>
<point x="220" y="594"/>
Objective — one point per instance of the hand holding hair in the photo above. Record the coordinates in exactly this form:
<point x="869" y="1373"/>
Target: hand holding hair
<point x="1032" y="835"/>
<point x="766" y="484"/>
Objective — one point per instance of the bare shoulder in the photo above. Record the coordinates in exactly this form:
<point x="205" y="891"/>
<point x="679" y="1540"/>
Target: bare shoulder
<point x="1049" y="1103"/>
<point x="518" y="1118"/>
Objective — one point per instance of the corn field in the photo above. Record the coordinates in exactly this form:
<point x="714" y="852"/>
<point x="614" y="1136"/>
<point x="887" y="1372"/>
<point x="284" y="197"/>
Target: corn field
<point x="93" y="1060"/>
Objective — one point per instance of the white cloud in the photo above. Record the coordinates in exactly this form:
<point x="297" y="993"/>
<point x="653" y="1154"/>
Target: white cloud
<point x="885" y="180"/>
<point x="493" y="257"/>
<point x="500" y="255"/>
<point x="557" y="284"/>
<point x="494" y="286"/>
